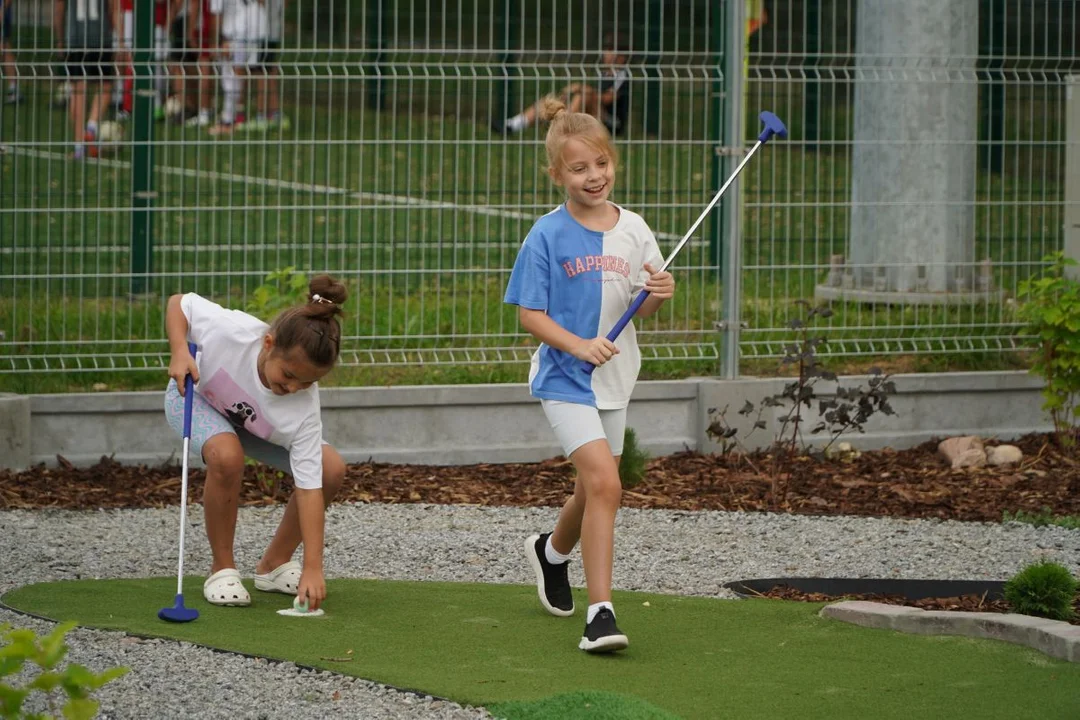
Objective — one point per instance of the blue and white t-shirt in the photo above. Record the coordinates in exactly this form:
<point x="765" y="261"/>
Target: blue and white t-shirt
<point x="584" y="280"/>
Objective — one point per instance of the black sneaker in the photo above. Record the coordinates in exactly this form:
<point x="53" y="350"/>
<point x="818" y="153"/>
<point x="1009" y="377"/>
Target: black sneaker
<point x="552" y="584"/>
<point x="602" y="635"/>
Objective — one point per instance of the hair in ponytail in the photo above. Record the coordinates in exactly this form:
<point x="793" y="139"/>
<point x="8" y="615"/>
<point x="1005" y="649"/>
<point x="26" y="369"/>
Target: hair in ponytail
<point x="565" y="125"/>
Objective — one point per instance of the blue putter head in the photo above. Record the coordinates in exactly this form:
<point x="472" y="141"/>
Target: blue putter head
<point x="773" y="126"/>
<point x="178" y="613"/>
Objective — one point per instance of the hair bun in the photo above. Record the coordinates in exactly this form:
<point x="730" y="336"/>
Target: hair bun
<point x="552" y="108"/>
<point x="325" y="290"/>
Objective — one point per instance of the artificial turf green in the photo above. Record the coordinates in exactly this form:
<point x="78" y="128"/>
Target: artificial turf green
<point x="694" y="657"/>
<point x="583" y="705"/>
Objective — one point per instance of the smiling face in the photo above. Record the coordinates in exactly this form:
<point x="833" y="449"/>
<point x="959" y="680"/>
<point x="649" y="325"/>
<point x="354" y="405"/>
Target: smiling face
<point x="586" y="172"/>
<point x="286" y="372"/>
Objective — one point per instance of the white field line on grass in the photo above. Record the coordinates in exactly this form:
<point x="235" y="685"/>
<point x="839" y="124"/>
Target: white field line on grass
<point x="214" y="175"/>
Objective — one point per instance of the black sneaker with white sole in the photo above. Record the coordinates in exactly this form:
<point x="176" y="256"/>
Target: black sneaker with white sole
<point x="552" y="584"/>
<point x="602" y="635"/>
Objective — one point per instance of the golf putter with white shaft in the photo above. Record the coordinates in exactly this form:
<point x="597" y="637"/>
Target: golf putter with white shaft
<point x="773" y="126"/>
<point x="178" y="613"/>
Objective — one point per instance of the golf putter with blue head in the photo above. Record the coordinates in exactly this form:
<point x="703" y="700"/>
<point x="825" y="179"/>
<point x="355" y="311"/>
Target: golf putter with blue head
<point x="178" y="613"/>
<point x="773" y="127"/>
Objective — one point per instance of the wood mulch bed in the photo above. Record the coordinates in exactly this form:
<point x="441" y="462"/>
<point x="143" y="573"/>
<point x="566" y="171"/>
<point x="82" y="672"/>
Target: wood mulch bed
<point x="912" y="483"/>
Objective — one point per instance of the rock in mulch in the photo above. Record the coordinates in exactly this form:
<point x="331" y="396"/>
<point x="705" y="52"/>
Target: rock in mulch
<point x="1001" y="455"/>
<point x="961" y="452"/>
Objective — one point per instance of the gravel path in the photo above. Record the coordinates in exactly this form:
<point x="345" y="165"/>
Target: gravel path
<point x="658" y="551"/>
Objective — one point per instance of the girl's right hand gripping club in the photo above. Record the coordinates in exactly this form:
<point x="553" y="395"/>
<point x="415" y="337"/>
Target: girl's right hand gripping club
<point x="773" y="126"/>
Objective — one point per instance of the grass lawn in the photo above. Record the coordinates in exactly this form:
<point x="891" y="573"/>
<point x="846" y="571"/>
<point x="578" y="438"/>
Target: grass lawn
<point x="493" y="645"/>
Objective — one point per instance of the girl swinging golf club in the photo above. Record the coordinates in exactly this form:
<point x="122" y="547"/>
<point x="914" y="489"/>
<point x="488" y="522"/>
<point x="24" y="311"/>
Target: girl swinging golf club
<point x="256" y="395"/>
<point x="586" y="266"/>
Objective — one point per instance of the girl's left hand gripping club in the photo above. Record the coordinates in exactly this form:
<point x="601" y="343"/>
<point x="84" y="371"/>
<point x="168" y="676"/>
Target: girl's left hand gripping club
<point x="178" y="613"/>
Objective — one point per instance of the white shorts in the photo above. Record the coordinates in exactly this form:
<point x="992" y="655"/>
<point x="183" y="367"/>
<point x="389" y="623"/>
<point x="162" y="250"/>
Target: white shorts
<point x="576" y="424"/>
<point x="244" y="53"/>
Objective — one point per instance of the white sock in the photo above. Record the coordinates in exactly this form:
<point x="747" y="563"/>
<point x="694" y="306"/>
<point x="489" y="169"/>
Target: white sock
<point x="91" y="127"/>
<point x="593" y="609"/>
<point x="554" y="556"/>
<point x="517" y="123"/>
<point x="12" y="85"/>
<point x="231" y="85"/>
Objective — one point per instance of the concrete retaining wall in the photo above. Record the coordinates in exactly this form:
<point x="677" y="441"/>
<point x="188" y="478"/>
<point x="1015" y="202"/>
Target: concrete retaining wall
<point x="462" y="424"/>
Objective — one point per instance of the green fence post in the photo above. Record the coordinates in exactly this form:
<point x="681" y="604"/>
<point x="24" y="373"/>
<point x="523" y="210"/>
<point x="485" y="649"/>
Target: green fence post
<point x="376" y="42"/>
<point x="505" y="101"/>
<point x="142" y="155"/>
<point x="734" y="37"/>
<point x="717" y="94"/>
<point x="812" y="101"/>
<point x="654" y="85"/>
<point x="992" y="106"/>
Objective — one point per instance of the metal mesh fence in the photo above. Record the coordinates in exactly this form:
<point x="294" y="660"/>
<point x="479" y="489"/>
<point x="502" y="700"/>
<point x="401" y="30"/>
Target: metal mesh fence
<point x="364" y="146"/>
<point x="382" y="167"/>
<point x="925" y="175"/>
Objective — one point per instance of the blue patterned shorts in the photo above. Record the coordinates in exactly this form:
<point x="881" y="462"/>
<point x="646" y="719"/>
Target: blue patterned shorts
<point x="206" y="422"/>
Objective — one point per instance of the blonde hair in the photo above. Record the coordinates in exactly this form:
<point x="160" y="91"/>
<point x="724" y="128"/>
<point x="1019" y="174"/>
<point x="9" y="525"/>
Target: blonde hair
<point x="565" y="125"/>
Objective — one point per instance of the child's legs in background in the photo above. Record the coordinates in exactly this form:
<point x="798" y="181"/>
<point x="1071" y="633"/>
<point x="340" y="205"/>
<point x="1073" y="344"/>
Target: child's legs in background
<point x="161" y="65"/>
<point x="206" y="82"/>
<point x="585" y="100"/>
<point x="593" y="440"/>
<point x="77" y="108"/>
<point x="267" y="102"/>
<point x="273" y="99"/>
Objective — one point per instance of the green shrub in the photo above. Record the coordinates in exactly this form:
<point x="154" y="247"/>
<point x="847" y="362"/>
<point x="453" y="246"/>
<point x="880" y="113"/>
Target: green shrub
<point x="634" y="460"/>
<point x="1044" y="589"/>
<point x="19" y="647"/>
<point x="1051" y="309"/>
<point x="283" y="288"/>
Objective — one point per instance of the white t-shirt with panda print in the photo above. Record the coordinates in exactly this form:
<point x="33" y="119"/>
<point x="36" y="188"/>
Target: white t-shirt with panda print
<point x="229" y="343"/>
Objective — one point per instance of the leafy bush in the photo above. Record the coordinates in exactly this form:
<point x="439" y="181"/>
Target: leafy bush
<point x="1044" y="589"/>
<point x="633" y="462"/>
<point x="1051" y="309"/>
<point x="283" y="288"/>
<point x="19" y="647"/>
<point x="848" y="409"/>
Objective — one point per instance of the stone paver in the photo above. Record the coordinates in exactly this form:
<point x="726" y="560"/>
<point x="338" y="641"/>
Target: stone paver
<point x="1053" y="637"/>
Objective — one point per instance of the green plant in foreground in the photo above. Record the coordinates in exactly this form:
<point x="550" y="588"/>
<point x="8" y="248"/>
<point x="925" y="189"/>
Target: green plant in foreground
<point x="19" y="647"/>
<point x="1044" y="589"/>
<point x="1051" y="309"/>
<point x="1042" y="518"/>
<point x="633" y="462"/>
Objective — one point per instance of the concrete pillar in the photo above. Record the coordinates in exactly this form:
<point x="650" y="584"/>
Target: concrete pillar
<point x="914" y="157"/>
<point x="14" y="432"/>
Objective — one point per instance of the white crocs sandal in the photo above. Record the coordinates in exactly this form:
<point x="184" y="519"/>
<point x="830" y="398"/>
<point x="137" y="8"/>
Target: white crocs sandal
<point x="283" y="579"/>
<point x="224" y="588"/>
